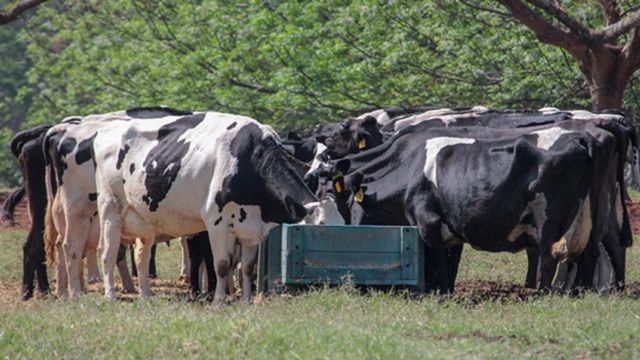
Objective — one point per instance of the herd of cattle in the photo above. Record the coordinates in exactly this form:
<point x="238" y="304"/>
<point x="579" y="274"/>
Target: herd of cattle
<point x="550" y="182"/>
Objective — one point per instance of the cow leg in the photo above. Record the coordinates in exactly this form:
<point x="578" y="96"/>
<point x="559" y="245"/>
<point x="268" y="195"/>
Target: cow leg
<point x="91" y="252"/>
<point x="33" y="265"/>
<point x="604" y="279"/>
<point x="531" y="280"/>
<point x="185" y="268"/>
<point x="548" y="266"/>
<point x="134" y="268"/>
<point x="127" y="282"/>
<point x="617" y="254"/>
<point x="249" y="257"/>
<point x="62" y="285"/>
<point x="111" y="225"/>
<point x="222" y="249"/>
<point x="28" y="269"/>
<point x="436" y="252"/>
<point x="587" y="266"/>
<point x="455" y="253"/>
<point x="93" y="273"/>
<point x="143" y="256"/>
<point x="194" y="268"/>
<point x="75" y="239"/>
<point x="208" y="263"/>
<point x="41" y="272"/>
<point x="152" y="262"/>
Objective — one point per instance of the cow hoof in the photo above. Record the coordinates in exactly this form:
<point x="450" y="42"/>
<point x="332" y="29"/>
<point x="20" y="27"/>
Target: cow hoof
<point x="110" y="296"/>
<point x="128" y="290"/>
<point x="26" y="295"/>
<point x="94" y="280"/>
<point x="183" y="279"/>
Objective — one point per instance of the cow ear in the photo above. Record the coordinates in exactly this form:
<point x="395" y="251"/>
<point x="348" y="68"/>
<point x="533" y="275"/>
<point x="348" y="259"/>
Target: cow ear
<point x="356" y="188"/>
<point x="370" y="121"/>
<point x="292" y="135"/>
<point x="343" y="165"/>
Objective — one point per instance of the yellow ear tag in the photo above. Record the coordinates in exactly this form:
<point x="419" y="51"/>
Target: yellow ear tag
<point x="338" y="187"/>
<point x="362" y="144"/>
<point x="359" y="196"/>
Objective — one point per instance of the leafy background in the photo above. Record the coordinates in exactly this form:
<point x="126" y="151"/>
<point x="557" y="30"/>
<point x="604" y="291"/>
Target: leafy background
<point x="289" y="64"/>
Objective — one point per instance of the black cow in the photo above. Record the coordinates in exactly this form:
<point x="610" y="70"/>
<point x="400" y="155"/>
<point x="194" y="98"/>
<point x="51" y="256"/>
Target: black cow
<point x="26" y="146"/>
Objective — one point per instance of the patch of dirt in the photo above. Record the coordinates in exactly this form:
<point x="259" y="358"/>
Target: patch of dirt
<point x="22" y="221"/>
<point x="634" y="216"/>
<point x="477" y="291"/>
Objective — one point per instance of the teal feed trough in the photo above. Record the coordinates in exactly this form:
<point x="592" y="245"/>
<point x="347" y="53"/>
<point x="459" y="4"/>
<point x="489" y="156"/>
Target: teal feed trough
<point x="334" y="254"/>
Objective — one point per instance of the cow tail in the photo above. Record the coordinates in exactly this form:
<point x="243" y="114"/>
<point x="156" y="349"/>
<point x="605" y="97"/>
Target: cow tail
<point x="10" y="205"/>
<point x="50" y="232"/>
<point x="626" y="235"/>
<point x="635" y="167"/>
<point x="50" y="235"/>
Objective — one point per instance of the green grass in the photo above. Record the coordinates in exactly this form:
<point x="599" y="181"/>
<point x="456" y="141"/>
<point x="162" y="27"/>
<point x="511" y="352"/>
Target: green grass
<point x="323" y="323"/>
<point x="634" y="194"/>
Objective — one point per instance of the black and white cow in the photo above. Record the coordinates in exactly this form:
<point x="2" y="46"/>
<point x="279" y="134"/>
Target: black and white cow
<point x="222" y="173"/>
<point x="497" y="195"/>
<point x="71" y="225"/>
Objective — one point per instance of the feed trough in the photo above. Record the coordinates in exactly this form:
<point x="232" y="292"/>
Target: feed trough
<point x="334" y="254"/>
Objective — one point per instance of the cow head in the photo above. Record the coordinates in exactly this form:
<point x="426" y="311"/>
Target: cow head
<point x="330" y="182"/>
<point x="323" y="212"/>
<point x="349" y="137"/>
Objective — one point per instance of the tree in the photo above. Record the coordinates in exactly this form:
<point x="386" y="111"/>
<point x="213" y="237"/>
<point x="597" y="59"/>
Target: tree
<point x="17" y="10"/>
<point x="607" y="56"/>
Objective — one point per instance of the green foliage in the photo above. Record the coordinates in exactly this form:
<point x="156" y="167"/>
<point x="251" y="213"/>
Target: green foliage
<point x="290" y="64"/>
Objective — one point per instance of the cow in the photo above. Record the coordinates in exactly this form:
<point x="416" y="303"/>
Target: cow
<point x="71" y="221"/>
<point x="26" y="146"/>
<point x="226" y="174"/>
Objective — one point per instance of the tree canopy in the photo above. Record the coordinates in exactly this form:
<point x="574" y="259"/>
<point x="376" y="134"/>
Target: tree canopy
<point x="289" y="64"/>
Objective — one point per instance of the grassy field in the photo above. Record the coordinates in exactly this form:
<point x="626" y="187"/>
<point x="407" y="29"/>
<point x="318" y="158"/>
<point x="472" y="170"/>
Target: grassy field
<point x="501" y="322"/>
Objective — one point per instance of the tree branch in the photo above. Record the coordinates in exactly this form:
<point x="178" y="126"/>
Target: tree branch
<point x="612" y="31"/>
<point x="545" y="31"/>
<point x="611" y="11"/>
<point x="553" y="9"/>
<point x="17" y="10"/>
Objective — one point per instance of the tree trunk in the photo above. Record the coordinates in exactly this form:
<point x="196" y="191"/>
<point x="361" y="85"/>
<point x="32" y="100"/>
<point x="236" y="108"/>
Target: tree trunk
<point x="608" y="79"/>
<point x="606" y="93"/>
